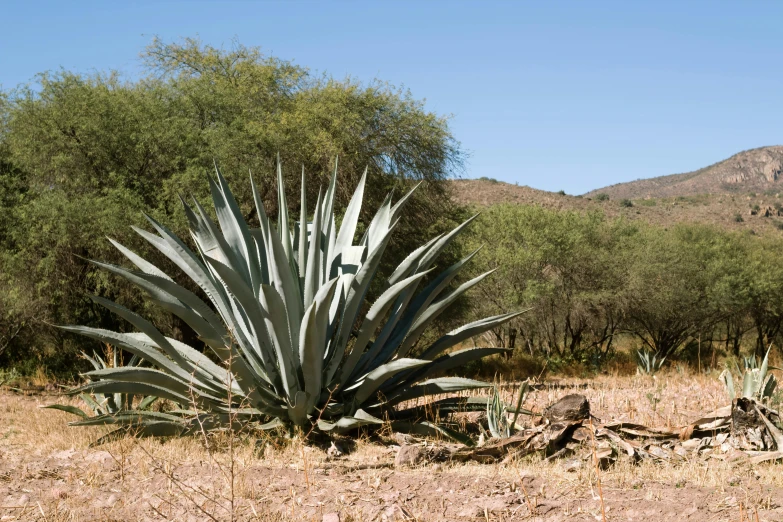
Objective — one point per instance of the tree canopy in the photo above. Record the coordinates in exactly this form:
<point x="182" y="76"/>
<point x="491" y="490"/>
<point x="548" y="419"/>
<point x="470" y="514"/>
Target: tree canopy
<point x="590" y="280"/>
<point x="82" y="156"/>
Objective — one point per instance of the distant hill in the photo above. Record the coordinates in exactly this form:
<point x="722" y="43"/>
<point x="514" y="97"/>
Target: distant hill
<point x="740" y="193"/>
<point x="756" y="170"/>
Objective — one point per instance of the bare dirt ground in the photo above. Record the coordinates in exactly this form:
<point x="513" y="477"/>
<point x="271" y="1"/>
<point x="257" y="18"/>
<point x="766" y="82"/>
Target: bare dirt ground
<point x="48" y="472"/>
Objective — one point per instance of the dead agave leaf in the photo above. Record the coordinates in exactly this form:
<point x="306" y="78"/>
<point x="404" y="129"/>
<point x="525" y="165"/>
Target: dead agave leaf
<point x="614" y="437"/>
<point x="639" y="430"/>
<point x="765" y="456"/>
<point x="777" y="436"/>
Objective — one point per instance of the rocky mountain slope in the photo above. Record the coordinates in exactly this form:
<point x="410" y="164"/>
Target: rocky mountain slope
<point x="740" y="193"/>
<point x="755" y="170"/>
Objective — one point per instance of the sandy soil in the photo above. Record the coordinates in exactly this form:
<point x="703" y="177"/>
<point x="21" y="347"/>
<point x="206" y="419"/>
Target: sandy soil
<point x="48" y="472"/>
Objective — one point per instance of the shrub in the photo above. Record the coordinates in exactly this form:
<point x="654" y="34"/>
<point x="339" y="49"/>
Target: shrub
<point x="603" y="196"/>
<point x="626" y="203"/>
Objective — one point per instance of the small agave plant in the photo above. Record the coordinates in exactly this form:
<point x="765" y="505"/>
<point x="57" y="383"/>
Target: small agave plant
<point x="107" y="403"/>
<point x="497" y="413"/>
<point x="648" y="363"/>
<point x="757" y="382"/>
<point x="289" y="319"/>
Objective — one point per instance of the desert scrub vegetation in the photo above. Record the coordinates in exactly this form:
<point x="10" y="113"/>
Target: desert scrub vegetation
<point x="687" y="292"/>
<point x="289" y="320"/>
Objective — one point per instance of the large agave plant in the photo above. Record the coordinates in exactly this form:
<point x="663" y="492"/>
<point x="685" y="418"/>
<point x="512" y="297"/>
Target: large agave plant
<point x="289" y="320"/>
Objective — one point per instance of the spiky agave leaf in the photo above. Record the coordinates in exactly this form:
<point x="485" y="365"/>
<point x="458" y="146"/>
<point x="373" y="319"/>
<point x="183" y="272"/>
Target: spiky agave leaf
<point x="107" y="403"/>
<point x="757" y="382"/>
<point x="283" y="305"/>
<point x="648" y="362"/>
<point x="496" y="416"/>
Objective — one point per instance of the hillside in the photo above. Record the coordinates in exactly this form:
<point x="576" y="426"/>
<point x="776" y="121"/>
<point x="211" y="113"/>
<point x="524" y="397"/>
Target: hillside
<point x="750" y="212"/>
<point x="756" y="170"/>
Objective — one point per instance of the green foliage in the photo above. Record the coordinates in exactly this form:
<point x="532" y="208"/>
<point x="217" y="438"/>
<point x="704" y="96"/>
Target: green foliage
<point x="81" y="155"/>
<point x="603" y="196"/>
<point x="104" y="405"/>
<point x="290" y="321"/>
<point x="738" y="218"/>
<point x="564" y="265"/>
<point x="626" y="203"/>
<point x="491" y="180"/>
<point x="561" y="192"/>
<point x="648" y="363"/>
<point x="589" y="279"/>
<point x="757" y="382"/>
<point x="497" y="413"/>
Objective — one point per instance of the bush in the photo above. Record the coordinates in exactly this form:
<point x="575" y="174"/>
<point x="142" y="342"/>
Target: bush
<point x="626" y="203"/>
<point x="603" y="196"/>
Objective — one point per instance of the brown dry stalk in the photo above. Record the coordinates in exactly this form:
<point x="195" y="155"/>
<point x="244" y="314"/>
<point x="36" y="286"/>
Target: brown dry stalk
<point x="597" y="471"/>
<point x="527" y="499"/>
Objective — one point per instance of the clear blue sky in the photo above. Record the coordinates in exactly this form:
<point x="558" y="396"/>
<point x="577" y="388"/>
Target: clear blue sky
<point x="555" y="95"/>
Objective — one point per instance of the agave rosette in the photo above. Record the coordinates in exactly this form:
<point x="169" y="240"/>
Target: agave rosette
<point x="287" y="317"/>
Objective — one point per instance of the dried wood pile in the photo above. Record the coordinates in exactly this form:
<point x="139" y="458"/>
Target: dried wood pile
<point x="746" y="430"/>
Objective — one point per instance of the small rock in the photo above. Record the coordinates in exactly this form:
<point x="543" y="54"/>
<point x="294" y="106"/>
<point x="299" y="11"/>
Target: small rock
<point x="59" y="493"/>
<point x="403" y="438"/>
<point x="495" y="505"/>
<point x="64" y="455"/>
<point x="573" y="465"/>
<point x="102" y="457"/>
<point x="472" y="511"/>
<point x="331" y="517"/>
<point x="408" y="456"/>
<point x="334" y="451"/>
<point x="389" y="514"/>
